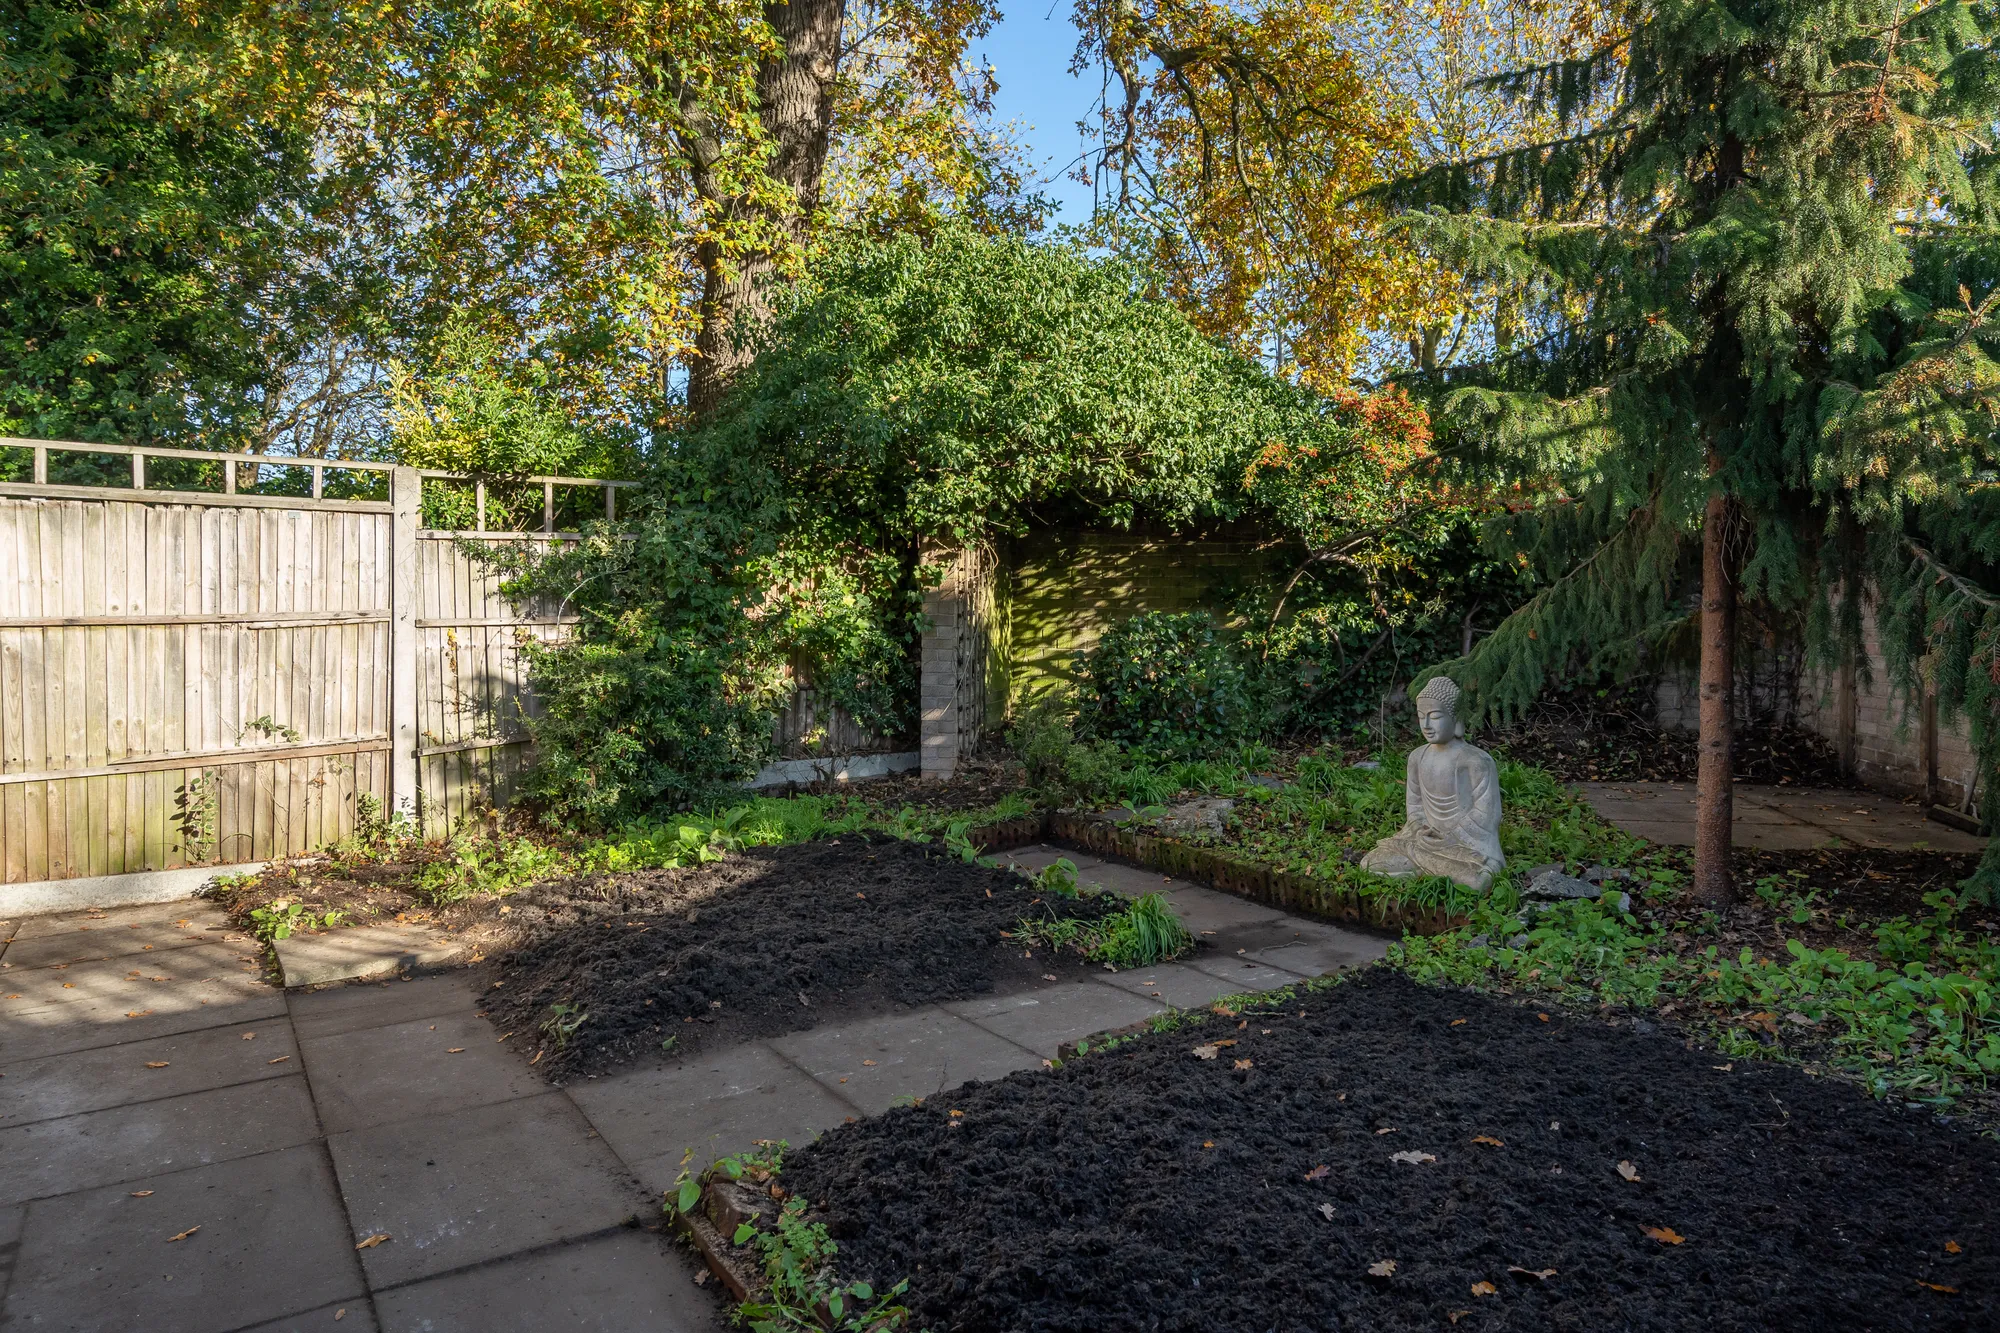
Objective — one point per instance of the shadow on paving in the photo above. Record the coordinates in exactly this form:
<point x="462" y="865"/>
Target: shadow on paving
<point x="1472" y="1143"/>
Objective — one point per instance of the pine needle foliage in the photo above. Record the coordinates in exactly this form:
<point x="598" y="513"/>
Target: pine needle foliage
<point x="1763" y="257"/>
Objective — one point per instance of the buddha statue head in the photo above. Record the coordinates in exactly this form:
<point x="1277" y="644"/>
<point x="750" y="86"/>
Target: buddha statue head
<point x="1437" y="711"/>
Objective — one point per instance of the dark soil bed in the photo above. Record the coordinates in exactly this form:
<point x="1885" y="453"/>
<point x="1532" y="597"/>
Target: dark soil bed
<point x="767" y="941"/>
<point x="1148" y="1189"/>
<point x="1867" y="883"/>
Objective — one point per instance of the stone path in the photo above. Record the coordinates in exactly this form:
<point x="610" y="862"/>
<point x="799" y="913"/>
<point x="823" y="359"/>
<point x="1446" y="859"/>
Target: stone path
<point x="184" y="1147"/>
<point x="1778" y="818"/>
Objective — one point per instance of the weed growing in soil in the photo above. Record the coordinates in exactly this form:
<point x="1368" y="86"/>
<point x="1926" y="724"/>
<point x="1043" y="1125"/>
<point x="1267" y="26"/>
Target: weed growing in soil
<point x="281" y="920"/>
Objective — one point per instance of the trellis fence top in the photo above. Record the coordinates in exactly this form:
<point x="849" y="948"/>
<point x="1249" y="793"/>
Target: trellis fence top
<point x="233" y="463"/>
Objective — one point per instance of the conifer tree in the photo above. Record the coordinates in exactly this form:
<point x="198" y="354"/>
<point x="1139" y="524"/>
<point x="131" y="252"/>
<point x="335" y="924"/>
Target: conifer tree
<point x="1758" y="262"/>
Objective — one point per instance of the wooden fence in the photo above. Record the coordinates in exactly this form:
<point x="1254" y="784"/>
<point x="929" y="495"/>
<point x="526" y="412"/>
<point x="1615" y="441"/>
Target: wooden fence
<point x="210" y="676"/>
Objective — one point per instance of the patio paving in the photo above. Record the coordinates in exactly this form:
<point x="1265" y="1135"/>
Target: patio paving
<point x="184" y="1148"/>
<point x="1778" y="818"/>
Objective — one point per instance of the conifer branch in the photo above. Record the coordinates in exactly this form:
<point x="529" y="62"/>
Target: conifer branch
<point x="1961" y="585"/>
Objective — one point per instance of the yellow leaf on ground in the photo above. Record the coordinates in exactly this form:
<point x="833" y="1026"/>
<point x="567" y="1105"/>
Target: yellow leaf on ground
<point x="1209" y="1143"/>
<point x="280" y="1060"/>
<point x="372" y="1241"/>
<point x="454" y="1050"/>
<point x="1949" y="1291"/>
<point x="1953" y="1247"/>
<point x="1382" y="1269"/>
<point x="1488" y="1140"/>
<point x="1460" y="1022"/>
<point x="1242" y="1064"/>
<point x="867" y="1062"/>
<point x="185" y="1234"/>
<point x="1664" y="1235"/>
<point x="156" y="1064"/>
<point x="142" y="1194"/>
<point x="1483" y="1289"/>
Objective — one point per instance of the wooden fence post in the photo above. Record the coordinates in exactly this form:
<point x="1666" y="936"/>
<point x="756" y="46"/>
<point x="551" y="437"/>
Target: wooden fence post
<point x="405" y="495"/>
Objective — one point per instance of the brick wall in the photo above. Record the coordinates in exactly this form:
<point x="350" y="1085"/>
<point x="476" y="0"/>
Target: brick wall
<point x="962" y="684"/>
<point x="1067" y="586"/>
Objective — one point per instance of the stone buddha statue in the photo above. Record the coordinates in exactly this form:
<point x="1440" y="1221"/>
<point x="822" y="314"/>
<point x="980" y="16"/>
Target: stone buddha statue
<point x="1452" y="802"/>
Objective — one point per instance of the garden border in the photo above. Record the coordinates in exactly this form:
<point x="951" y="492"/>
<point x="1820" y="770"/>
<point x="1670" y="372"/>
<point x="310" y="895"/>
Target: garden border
<point x="1293" y="891"/>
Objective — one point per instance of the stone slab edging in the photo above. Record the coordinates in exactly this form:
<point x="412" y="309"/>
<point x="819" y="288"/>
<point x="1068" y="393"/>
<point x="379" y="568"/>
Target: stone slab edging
<point x="1215" y="868"/>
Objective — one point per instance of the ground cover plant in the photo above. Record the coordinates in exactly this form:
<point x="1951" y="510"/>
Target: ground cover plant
<point x="655" y="964"/>
<point x="1387" y="1155"/>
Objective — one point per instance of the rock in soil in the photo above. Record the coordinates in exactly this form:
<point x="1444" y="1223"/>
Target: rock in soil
<point x="1148" y="1188"/>
<point x="764" y="942"/>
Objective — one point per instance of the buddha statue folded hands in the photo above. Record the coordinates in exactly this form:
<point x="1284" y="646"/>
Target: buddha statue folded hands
<point x="1451" y="803"/>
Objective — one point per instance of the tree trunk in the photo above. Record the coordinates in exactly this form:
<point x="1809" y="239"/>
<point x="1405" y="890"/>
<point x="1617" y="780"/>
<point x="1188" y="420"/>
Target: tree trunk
<point x="795" y="105"/>
<point x="1714" y="812"/>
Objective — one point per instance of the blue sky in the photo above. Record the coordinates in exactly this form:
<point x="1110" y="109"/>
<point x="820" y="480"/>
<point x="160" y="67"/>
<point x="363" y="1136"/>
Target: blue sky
<point x="1032" y="55"/>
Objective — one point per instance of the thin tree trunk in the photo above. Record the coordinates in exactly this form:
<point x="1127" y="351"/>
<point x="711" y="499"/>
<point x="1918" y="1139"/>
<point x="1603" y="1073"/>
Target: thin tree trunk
<point x="795" y="104"/>
<point x="1714" y="806"/>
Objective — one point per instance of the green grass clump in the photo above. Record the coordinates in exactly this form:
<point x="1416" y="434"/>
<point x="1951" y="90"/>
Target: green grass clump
<point x="1142" y="935"/>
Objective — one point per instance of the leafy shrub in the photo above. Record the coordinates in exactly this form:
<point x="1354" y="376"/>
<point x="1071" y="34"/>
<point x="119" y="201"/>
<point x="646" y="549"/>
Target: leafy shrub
<point x="1170" y="682"/>
<point x="1061" y="769"/>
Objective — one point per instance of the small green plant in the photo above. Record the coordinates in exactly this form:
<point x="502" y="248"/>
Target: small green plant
<point x="562" y="1023"/>
<point x="1143" y="935"/>
<point x="1059" y="879"/>
<point x="195" y="813"/>
<point x="282" y="920"/>
<point x="267" y="728"/>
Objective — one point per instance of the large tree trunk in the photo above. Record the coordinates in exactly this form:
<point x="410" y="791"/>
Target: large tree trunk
<point x="1714" y="807"/>
<point x="795" y="104"/>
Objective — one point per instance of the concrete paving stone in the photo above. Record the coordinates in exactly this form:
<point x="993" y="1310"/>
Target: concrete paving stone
<point x="876" y="1062"/>
<point x="1041" y="856"/>
<point x="1245" y="974"/>
<point x="375" y="1075"/>
<point x="10" y="1247"/>
<point x="623" y="1283"/>
<point x="111" y="920"/>
<point x="101" y="1003"/>
<point x="494" y="1180"/>
<point x="1317" y="957"/>
<point x="106" y="1076"/>
<point x="1205" y="909"/>
<point x="1044" y="1020"/>
<point x="351" y="1316"/>
<point x="715" y="1105"/>
<point x="1128" y="881"/>
<point x="362" y="951"/>
<point x="104" y="940"/>
<point x="272" y="1242"/>
<point x="322" y="1013"/>
<point x="126" y="1142"/>
<point x="1177" y="984"/>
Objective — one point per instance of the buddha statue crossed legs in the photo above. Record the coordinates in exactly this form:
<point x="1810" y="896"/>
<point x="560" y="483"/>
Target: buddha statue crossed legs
<point x="1451" y="805"/>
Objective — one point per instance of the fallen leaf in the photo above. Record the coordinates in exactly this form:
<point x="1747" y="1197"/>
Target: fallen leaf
<point x="373" y="1241"/>
<point x="701" y="1278"/>
<point x="538" y="1056"/>
<point x="1801" y="1020"/>
<point x="1488" y="1140"/>
<point x="1539" y="1274"/>
<point x="1413" y="1158"/>
<point x="1724" y="1068"/>
<point x="137" y="1013"/>
<point x="69" y="985"/>
<point x="1319" y="1173"/>
<point x="341" y="1313"/>
<point x="1949" y="1291"/>
<point x="185" y="1234"/>
<point x="868" y="1062"/>
<point x="1457" y="1315"/>
<point x="1629" y="1171"/>
<point x="454" y="1050"/>
<point x="156" y="1064"/>
<point x="1664" y="1235"/>
<point x="1050" y="976"/>
<point x="142" y="1194"/>
<point x="1460" y="1022"/>
<point x="1953" y="1247"/>
<point x="1385" y="1131"/>
<point x="1205" y="1052"/>
<point x="1484" y="1289"/>
<point x="1326" y="1211"/>
<point x="1543" y="1017"/>
<point x="1765" y="1020"/>
<point x="1382" y="1269"/>
<point x="280" y="1060"/>
<point x="954" y="1113"/>
<point x="1242" y="1064"/>
<point x="503" y="1036"/>
<point x="249" y="1036"/>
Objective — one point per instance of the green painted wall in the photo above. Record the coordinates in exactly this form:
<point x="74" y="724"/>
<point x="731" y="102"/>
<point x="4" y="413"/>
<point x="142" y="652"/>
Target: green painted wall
<point x="1065" y="587"/>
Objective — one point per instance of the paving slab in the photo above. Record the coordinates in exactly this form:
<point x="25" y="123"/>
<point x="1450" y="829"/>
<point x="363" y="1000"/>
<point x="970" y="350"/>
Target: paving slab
<point x="457" y="1190"/>
<point x="1127" y="881"/>
<point x="1777" y="818"/>
<point x="321" y="1013"/>
<point x="1245" y="974"/>
<point x="272" y="1243"/>
<point x="1205" y="909"/>
<point x="351" y="1316"/>
<point x="877" y="1062"/>
<point x="1177" y="984"/>
<point x="125" y="1142"/>
<point x="200" y="915"/>
<point x="1316" y="957"/>
<point x="623" y="1283"/>
<point x="101" y="1003"/>
<point x="319" y="957"/>
<point x="10" y="1247"/>
<point x="107" y="1076"/>
<point x="39" y="942"/>
<point x="1040" y="856"/>
<point x="714" y="1105"/>
<point x="1045" y="1020"/>
<point x="430" y="1066"/>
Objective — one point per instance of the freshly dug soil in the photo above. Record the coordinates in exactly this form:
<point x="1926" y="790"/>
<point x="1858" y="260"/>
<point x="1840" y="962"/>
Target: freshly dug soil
<point x="1867" y="883"/>
<point x="1148" y="1189"/>
<point x="766" y="941"/>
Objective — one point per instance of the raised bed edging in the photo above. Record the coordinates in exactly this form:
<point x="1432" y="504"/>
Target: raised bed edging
<point x="1214" y="868"/>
